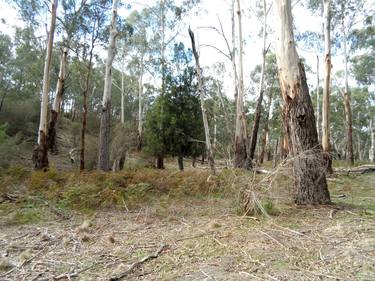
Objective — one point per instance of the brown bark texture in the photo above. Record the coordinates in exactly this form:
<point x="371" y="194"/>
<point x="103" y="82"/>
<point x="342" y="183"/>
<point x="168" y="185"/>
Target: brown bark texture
<point x="309" y="176"/>
<point x="298" y="117"/>
<point x="104" y="136"/>
<point x="40" y="153"/>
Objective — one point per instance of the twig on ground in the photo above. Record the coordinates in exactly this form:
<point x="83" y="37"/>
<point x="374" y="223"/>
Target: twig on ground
<point x="272" y="238"/>
<point x="138" y="263"/>
<point x="74" y="274"/>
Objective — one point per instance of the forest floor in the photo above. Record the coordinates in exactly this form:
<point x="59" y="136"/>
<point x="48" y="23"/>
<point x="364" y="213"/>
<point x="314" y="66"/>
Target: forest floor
<point x="194" y="237"/>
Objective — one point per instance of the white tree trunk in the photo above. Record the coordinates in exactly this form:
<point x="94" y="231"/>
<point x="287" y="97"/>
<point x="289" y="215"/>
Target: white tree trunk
<point x="104" y="136"/>
<point x="327" y="84"/>
<point x="40" y="153"/>
<point x="140" y="103"/>
<point x="240" y="131"/>
<point x="317" y="99"/>
<point x="162" y="33"/>
<point x="56" y="108"/>
<point x="46" y="75"/>
<point x="61" y="81"/>
<point x="123" y="88"/>
<point x="210" y="153"/>
<point x="372" y="137"/>
<point x="346" y="94"/>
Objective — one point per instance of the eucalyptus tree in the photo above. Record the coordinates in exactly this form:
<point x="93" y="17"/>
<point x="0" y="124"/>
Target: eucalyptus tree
<point x="258" y="110"/>
<point x="89" y="35"/>
<point x="271" y="107"/>
<point x="55" y="111"/>
<point x="298" y="116"/>
<point x="68" y="26"/>
<point x="240" y="136"/>
<point x="104" y="135"/>
<point x="5" y="66"/>
<point x="40" y="154"/>
<point x="327" y="84"/>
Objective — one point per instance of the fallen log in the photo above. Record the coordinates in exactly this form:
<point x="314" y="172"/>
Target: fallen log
<point x="356" y="170"/>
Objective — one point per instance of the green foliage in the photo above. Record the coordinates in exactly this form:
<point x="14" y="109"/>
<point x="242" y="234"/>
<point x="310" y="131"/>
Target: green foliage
<point x="174" y="124"/>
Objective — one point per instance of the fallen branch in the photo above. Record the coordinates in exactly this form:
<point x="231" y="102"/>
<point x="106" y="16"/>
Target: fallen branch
<point x="357" y="170"/>
<point x="73" y="274"/>
<point x="138" y="263"/>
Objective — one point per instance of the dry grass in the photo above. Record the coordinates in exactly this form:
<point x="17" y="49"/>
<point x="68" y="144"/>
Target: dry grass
<point x="195" y="217"/>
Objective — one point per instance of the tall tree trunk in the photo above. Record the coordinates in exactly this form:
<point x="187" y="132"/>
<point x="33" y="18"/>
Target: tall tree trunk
<point x="233" y="51"/>
<point x="275" y="153"/>
<point x="160" y="162"/>
<point x="266" y="129"/>
<point x="210" y="154"/>
<point x="55" y="112"/>
<point x="372" y="137"/>
<point x="2" y="99"/>
<point x="140" y="102"/>
<point x="318" y="99"/>
<point x="327" y="85"/>
<point x="298" y="113"/>
<point x="359" y="147"/>
<point x="84" y="107"/>
<point x="240" y="132"/>
<point x="105" y="120"/>
<point x="180" y="160"/>
<point x="162" y="47"/>
<point x="347" y="103"/>
<point x="40" y="156"/>
<point x="123" y="88"/>
<point x="258" y="110"/>
<point x="349" y="155"/>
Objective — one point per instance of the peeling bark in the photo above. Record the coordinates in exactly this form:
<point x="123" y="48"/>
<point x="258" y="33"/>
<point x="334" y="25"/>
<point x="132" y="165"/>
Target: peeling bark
<point x="105" y="120"/>
<point x="240" y="131"/>
<point x="299" y="120"/>
<point x="40" y="156"/>
<point x="55" y="112"/>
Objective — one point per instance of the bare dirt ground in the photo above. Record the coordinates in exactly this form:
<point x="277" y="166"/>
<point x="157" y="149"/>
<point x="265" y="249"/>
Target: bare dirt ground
<point x="201" y="239"/>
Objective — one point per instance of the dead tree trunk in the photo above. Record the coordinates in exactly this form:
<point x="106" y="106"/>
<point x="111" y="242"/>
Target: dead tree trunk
<point x="240" y="131"/>
<point x="210" y="154"/>
<point x="55" y="112"/>
<point x="298" y="113"/>
<point x="327" y="85"/>
<point x="40" y="154"/>
<point x="105" y="120"/>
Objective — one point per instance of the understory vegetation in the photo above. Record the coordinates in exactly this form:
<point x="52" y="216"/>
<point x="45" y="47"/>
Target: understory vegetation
<point x="95" y="224"/>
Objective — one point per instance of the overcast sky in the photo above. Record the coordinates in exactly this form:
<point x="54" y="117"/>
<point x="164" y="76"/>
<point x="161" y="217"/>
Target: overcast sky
<point x="207" y="15"/>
